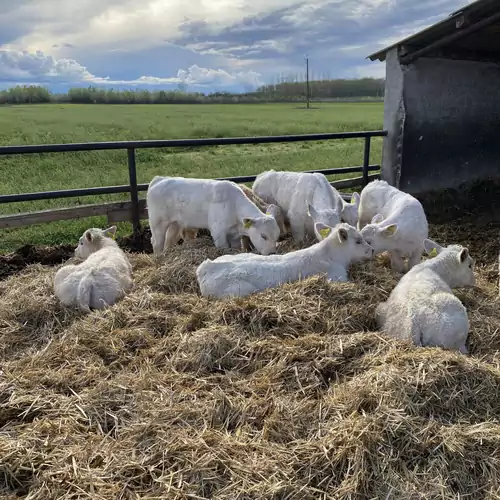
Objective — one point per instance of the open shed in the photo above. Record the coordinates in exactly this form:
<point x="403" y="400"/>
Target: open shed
<point x="442" y="102"/>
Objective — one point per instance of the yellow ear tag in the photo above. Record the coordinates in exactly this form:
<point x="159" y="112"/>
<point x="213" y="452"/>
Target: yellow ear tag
<point x="433" y="253"/>
<point x="247" y="224"/>
<point x="391" y="229"/>
<point x="268" y="212"/>
<point x="324" y="232"/>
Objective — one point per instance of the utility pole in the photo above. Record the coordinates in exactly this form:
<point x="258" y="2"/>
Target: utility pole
<point x="307" y="80"/>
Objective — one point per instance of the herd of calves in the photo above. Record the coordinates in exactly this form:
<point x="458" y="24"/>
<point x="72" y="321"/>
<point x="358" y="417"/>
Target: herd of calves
<point x="422" y="306"/>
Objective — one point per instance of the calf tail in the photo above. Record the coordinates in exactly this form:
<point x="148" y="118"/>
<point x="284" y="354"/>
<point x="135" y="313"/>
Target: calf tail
<point x="83" y="293"/>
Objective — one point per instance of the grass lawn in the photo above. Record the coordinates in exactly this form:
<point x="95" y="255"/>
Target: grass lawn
<point x="44" y="124"/>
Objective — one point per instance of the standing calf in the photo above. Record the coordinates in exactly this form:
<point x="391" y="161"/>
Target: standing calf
<point x="177" y="203"/>
<point x="273" y="210"/>
<point x="422" y="306"/>
<point x="397" y="223"/>
<point x="244" y="274"/>
<point x="305" y="199"/>
<point x="103" y="278"/>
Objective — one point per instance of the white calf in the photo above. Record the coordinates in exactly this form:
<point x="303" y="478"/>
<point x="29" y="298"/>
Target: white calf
<point x="101" y="279"/>
<point x="177" y="203"/>
<point x="394" y="221"/>
<point x="422" y="306"/>
<point x="244" y="274"/>
<point x="273" y="210"/>
<point x="305" y="199"/>
<point x="348" y="211"/>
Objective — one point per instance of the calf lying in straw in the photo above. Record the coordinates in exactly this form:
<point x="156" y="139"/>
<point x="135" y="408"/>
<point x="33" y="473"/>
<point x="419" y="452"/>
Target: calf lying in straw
<point x="221" y="207"/>
<point x="394" y="221"/>
<point x="103" y="278"/>
<point x="269" y="209"/>
<point x="243" y="274"/>
<point x="305" y="199"/>
<point x="422" y="306"/>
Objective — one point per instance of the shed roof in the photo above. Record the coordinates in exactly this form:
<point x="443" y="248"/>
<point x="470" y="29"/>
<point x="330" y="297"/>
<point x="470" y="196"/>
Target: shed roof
<point x="474" y="28"/>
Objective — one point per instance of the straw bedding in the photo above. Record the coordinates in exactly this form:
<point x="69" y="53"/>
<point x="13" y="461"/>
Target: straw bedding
<point x="288" y="394"/>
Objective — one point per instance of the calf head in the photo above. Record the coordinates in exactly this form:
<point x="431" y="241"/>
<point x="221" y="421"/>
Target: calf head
<point x="347" y="237"/>
<point x="350" y="210"/>
<point x="263" y="233"/>
<point x="328" y="216"/>
<point x="459" y="263"/>
<point x="380" y="235"/>
<point x="92" y="240"/>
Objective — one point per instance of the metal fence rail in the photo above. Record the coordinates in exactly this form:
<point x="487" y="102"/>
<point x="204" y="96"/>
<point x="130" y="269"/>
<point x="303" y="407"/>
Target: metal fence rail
<point x="134" y="188"/>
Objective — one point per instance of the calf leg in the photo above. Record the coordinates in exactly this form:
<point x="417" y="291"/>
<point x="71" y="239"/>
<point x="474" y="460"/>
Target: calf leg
<point x="220" y="238"/>
<point x="397" y="262"/>
<point x="158" y="235"/>
<point x="414" y="259"/>
<point x="173" y="235"/>
<point x="245" y="244"/>
<point x="239" y="289"/>
<point x="298" y="230"/>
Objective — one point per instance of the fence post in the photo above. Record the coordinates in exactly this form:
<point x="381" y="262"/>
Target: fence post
<point x="134" y="194"/>
<point x="366" y="160"/>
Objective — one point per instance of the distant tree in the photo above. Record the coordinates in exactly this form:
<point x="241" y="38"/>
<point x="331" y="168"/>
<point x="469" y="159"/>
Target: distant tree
<point x="281" y="90"/>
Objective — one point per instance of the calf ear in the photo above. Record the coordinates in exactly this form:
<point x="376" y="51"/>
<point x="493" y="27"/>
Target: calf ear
<point x="248" y="222"/>
<point x="464" y="253"/>
<point x="343" y="236"/>
<point x="272" y="210"/>
<point x="390" y="230"/>
<point x="355" y="198"/>
<point x="431" y="247"/>
<point x="322" y="230"/>
<point x="111" y="232"/>
<point x="88" y="235"/>
<point x="377" y="218"/>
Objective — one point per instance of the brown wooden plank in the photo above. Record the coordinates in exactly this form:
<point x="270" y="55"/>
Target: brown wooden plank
<point x="353" y="182"/>
<point x="124" y="214"/>
<point x="77" y="212"/>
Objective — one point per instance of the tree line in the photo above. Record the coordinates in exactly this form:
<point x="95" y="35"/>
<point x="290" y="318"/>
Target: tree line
<point x="320" y="90"/>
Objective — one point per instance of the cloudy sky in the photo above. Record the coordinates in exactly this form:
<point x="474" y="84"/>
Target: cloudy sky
<point x="207" y="45"/>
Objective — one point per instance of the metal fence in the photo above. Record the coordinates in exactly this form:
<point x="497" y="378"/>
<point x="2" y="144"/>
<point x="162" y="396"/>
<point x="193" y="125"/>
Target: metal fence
<point x="134" y="188"/>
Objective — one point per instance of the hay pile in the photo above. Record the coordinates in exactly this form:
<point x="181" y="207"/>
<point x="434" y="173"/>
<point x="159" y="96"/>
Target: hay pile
<point x="289" y="394"/>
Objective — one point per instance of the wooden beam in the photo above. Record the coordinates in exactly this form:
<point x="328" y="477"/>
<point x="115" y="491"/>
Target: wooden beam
<point x="124" y="213"/>
<point x="58" y="214"/>
<point x="355" y="181"/>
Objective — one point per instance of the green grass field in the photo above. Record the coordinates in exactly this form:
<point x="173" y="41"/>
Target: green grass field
<point x="44" y="124"/>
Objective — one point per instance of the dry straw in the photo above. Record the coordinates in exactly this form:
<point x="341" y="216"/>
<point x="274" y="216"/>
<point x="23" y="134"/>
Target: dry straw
<point x="288" y="394"/>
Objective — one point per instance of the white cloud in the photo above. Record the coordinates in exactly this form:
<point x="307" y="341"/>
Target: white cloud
<point x="30" y="67"/>
<point x="24" y="65"/>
